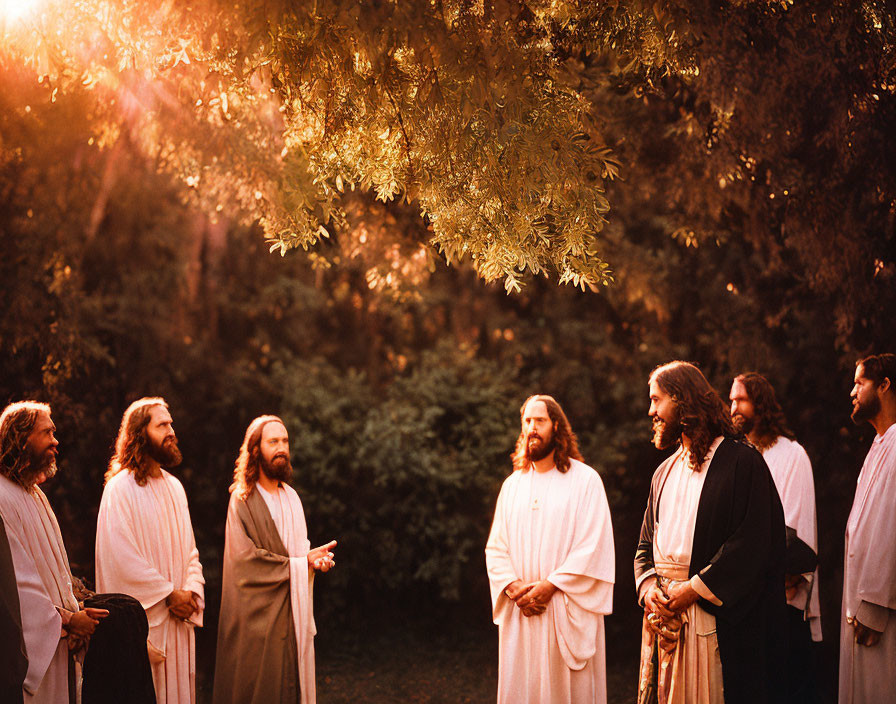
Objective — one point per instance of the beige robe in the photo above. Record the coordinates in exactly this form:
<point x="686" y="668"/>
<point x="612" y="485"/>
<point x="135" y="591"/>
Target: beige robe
<point x="266" y="630"/>
<point x="868" y="674"/>
<point x="553" y="526"/>
<point x="44" y="581"/>
<point x="145" y="548"/>
<point x="690" y="668"/>
<point x="792" y="472"/>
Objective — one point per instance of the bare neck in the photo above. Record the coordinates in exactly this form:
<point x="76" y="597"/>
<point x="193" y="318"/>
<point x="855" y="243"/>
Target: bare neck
<point x="885" y="417"/>
<point x="155" y="469"/>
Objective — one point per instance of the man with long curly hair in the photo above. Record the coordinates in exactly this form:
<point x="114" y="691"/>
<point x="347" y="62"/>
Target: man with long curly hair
<point x="52" y="625"/>
<point x="145" y="545"/>
<point x="868" y="615"/>
<point x="266" y="630"/>
<point x="551" y="566"/>
<point x="757" y="414"/>
<point x="709" y="568"/>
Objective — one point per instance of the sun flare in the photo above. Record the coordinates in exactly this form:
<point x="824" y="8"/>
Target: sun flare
<point x="14" y="9"/>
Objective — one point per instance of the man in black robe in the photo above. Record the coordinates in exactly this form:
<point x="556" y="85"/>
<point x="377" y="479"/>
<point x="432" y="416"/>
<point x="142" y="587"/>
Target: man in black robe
<point x="732" y="584"/>
<point x="13" y="663"/>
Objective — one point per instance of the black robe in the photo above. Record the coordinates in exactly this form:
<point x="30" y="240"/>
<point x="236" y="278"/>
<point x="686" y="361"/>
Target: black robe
<point x="13" y="663"/>
<point x="738" y="551"/>
<point x="116" y="666"/>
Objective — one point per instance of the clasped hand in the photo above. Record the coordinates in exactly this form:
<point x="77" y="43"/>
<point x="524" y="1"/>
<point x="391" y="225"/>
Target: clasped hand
<point x="532" y="598"/>
<point x="182" y="603"/>
<point x="677" y="597"/>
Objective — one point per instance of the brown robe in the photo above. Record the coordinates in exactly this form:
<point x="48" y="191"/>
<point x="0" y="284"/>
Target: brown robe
<point x="256" y="657"/>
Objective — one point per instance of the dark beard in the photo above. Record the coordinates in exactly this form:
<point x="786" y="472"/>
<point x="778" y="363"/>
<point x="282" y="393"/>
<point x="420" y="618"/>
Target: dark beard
<point x="278" y="469"/>
<point x="167" y="454"/>
<point x="865" y="411"/>
<point x="743" y="424"/>
<point x="540" y="451"/>
<point x="666" y="434"/>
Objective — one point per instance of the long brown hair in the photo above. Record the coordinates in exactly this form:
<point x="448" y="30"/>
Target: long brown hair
<point x="248" y="462"/>
<point x="566" y="445"/>
<point x="16" y="425"/>
<point x="132" y="443"/>
<point x="701" y="411"/>
<point x="770" y="421"/>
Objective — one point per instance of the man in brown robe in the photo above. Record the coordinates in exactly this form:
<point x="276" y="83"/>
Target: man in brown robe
<point x="266" y="629"/>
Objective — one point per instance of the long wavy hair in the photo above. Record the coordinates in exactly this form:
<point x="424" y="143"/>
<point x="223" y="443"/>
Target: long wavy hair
<point x="701" y="411"/>
<point x="248" y="462"/>
<point x="770" y="421"/>
<point x="132" y="444"/>
<point x="566" y="445"/>
<point x="16" y="425"/>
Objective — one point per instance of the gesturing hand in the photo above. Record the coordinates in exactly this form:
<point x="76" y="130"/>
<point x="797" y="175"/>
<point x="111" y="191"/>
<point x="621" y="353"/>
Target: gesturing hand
<point x="321" y="558"/>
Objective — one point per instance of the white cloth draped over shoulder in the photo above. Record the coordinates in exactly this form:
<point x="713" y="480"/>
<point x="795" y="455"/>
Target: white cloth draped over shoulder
<point x="145" y="548"/>
<point x="289" y="519"/>
<point x="44" y="581"/>
<point x="868" y="674"/>
<point x="792" y="472"/>
<point x="553" y="526"/>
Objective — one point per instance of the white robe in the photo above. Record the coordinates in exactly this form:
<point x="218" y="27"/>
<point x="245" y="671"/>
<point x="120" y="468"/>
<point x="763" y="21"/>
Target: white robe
<point x="792" y="472"/>
<point x="145" y="548"/>
<point x="553" y="526"/>
<point x="868" y="674"/>
<point x="288" y="515"/>
<point x="44" y="582"/>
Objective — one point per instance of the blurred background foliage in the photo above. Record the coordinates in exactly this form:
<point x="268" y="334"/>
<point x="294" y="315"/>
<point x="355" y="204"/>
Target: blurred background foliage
<point x="744" y="149"/>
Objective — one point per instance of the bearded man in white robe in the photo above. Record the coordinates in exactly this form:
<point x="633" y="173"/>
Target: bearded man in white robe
<point x="551" y="567"/>
<point x="145" y="545"/>
<point x="54" y="628"/>
<point x="266" y="630"/>
<point x="758" y="415"/>
<point x="868" y="622"/>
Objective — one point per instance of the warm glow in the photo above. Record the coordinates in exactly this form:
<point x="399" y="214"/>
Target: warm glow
<point x="14" y="9"/>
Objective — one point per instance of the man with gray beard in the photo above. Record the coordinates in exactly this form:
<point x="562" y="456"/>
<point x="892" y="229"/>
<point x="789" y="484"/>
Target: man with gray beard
<point x="53" y="625"/>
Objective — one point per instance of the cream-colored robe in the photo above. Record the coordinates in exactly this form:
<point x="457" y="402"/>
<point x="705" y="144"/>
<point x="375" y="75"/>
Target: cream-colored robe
<point x="145" y="548"/>
<point x="44" y="581"/>
<point x="792" y="472"/>
<point x="266" y="628"/>
<point x="553" y="526"/>
<point x="696" y="667"/>
<point x="868" y="674"/>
